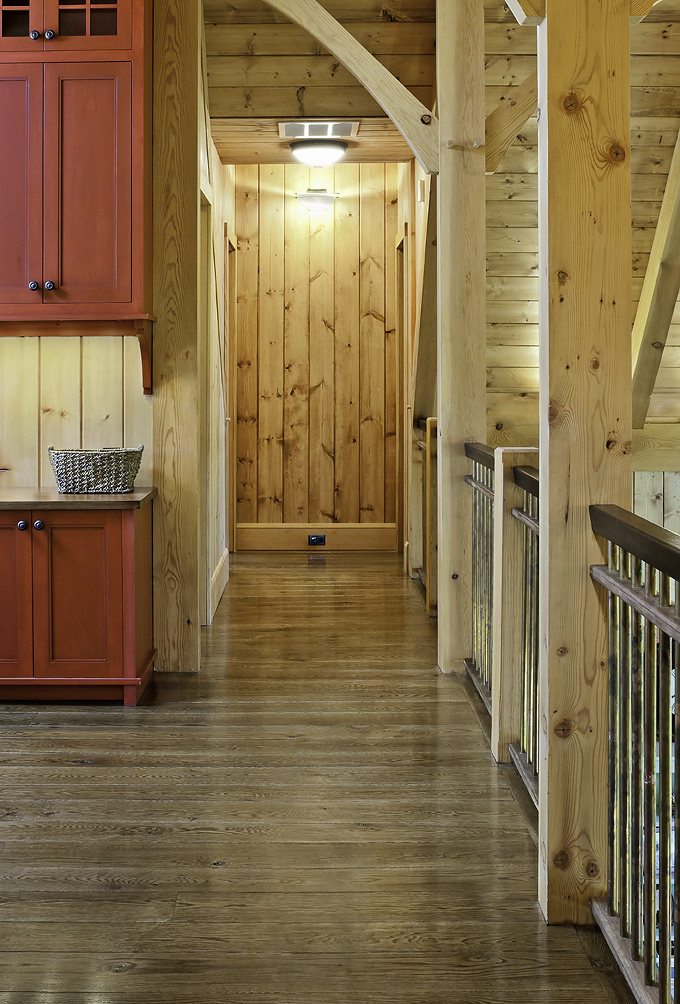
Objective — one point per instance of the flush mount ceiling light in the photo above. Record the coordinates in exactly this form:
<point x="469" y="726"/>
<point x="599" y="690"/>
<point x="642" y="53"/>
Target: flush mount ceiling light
<point x="316" y="199"/>
<point x="318" y="152"/>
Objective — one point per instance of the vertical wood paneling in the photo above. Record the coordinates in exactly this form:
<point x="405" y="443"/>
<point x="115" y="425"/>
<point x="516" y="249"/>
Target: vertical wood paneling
<point x="649" y="496"/>
<point x="19" y="412"/>
<point x="322" y="356"/>
<point x="296" y="350"/>
<point x="137" y="410"/>
<point x="314" y="289"/>
<point x="60" y="398"/>
<point x="371" y="343"/>
<point x="347" y="426"/>
<point x="247" y="265"/>
<point x="270" y="362"/>
<point x="391" y="353"/>
<point x="671" y="501"/>
<point x="102" y="399"/>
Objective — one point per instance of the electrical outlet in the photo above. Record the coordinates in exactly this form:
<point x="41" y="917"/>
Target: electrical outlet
<point x="316" y="539"/>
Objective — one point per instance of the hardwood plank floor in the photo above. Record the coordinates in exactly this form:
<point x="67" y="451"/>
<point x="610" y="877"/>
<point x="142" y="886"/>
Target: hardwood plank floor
<point x="314" y="817"/>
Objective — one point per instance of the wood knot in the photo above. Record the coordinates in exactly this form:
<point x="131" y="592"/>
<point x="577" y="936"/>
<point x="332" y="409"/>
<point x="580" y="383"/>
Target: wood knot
<point x="657" y="345"/>
<point x="499" y="426"/>
<point x="562" y="650"/>
<point x="592" y="869"/>
<point x="562" y="277"/>
<point x="572" y="103"/>
<point x="564" y="729"/>
<point x="617" y="153"/>
<point x="595" y="364"/>
<point x="561" y="860"/>
<point x="553" y="413"/>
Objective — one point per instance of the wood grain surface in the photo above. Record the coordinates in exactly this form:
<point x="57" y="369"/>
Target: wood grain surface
<point x="316" y="815"/>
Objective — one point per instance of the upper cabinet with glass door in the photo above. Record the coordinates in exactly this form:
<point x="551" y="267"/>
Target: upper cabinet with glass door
<point x="41" y="26"/>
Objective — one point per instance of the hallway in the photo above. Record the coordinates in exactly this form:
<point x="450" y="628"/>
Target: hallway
<point x="314" y="817"/>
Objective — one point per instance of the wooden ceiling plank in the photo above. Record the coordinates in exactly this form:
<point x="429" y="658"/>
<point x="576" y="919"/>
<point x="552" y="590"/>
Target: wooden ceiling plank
<point x="379" y="11"/>
<point x="290" y="102"/>
<point x="659" y="296"/>
<point x="309" y="71"/>
<point x="413" y="119"/>
<point x="503" y="124"/>
<point x="385" y="39"/>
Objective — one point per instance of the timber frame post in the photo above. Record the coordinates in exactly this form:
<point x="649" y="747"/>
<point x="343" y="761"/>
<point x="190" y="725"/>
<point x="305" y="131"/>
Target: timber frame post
<point x="461" y="309"/>
<point x="176" y="228"/>
<point x="585" y="423"/>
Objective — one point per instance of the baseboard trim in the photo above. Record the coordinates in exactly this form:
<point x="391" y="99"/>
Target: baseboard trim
<point x="218" y="581"/>
<point x="339" y="537"/>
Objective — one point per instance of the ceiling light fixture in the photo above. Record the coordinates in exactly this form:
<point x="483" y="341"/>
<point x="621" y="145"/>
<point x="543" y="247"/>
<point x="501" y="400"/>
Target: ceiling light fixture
<point x="318" y="152"/>
<point x="316" y="200"/>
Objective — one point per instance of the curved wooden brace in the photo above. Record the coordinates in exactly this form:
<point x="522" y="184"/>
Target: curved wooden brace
<point x="415" y="122"/>
<point x="143" y="330"/>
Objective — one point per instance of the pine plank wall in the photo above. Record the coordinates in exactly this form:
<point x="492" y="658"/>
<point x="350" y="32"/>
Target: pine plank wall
<point x="317" y="356"/>
<point x="512" y="242"/>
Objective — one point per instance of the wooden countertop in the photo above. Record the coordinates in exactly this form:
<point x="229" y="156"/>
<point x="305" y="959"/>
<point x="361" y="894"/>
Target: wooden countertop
<point x="50" y="498"/>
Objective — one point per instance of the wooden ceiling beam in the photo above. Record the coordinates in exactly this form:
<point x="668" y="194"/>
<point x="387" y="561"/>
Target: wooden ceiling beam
<point x="659" y="296"/>
<point x="413" y="119"/>
<point x="503" y="124"/>
<point x="527" y="11"/>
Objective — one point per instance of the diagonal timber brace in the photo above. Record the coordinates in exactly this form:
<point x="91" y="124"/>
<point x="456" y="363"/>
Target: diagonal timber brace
<point x="415" y="122"/>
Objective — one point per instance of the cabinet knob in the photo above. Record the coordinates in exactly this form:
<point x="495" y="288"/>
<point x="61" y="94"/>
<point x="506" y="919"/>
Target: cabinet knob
<point x="39" y="525"/>
<point x="22" y="525"/>
<point x="34" y="285"/>
<point x="49" y="34"/>
<point x="49" y="284"/>
<point x="35" y="35"/>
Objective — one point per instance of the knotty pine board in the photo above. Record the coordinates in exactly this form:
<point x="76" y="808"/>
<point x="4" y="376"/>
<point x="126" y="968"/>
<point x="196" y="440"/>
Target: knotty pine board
<point x="73" y="392"/>
<point x="247" y="260"/>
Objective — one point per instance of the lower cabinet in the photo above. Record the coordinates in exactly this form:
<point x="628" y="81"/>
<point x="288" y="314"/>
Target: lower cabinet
<point x="76" y="616"/>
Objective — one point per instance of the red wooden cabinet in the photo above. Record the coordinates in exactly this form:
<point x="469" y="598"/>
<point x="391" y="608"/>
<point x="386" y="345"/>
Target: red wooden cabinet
<point x="75" y="600"/>
<point x="74" y="161"/>
<point x="51" y="25"/>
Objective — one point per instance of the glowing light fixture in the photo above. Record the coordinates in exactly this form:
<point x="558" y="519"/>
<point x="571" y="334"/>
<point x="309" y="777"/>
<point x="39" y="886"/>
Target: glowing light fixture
<point x="317" y="200"/>
<point x="318" y="152"/>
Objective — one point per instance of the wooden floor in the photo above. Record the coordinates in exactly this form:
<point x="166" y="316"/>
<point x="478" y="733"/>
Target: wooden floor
<point x="314" y="818"/>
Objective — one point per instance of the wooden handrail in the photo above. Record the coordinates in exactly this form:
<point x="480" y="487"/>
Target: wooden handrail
<point x="481" y="453"/>
<point x="527" y="479"/>
<point x="647" y="541"/>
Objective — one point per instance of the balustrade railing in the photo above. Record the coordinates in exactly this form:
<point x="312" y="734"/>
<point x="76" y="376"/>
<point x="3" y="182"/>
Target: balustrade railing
<point x="641" y="579"/>
<point x="482" y="483"/>
<point x="525" y="752"/>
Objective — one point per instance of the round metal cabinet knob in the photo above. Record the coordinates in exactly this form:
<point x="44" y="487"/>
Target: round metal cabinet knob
<point x="39" y="525"/>
<point x="49" y="285"/>
<point x="35" y="35"/>
<point x="49" y="34"/>
<point x="34" y="285"/>
<point x="22" y="525"/>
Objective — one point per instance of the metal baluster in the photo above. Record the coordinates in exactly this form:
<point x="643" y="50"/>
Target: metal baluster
<point x="613" y="860"/>
<point x="676" y="782"/>
<point x="525" y="634"/>
<point x="665" y="808"/>
<point x="531" y="702"/>
<point x="535" y="703"/>
<point x="475" y="567"/>
<point x="637" y="769"/>
<point x="649" y="738"/>
<point x="624" y="757"/>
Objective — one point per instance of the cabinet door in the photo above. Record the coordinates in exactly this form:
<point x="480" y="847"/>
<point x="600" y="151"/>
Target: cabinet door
<point x="21" y="86"/>
<point x="16" y="601"/>
<point x="88" y="24"/>
<point x="17" y="21"/>
<point x="88" y="183"/>
<point x="78" y="594"/>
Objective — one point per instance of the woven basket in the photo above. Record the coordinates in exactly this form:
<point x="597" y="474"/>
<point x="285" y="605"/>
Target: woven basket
<point x="108" y="470"/>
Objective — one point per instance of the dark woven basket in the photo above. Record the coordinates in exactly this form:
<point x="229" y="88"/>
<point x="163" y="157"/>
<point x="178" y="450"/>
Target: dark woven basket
<point x="107" y="470"/>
